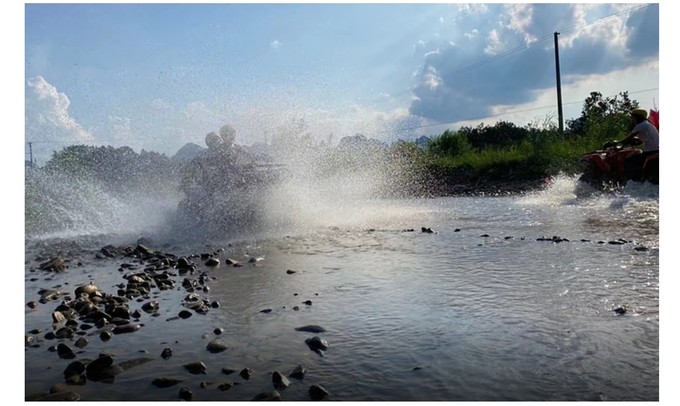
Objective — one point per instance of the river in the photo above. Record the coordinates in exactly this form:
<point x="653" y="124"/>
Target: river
<point x="508" y="298"/>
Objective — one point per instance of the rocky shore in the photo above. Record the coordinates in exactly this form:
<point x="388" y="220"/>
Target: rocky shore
<point x="86" y="312"/>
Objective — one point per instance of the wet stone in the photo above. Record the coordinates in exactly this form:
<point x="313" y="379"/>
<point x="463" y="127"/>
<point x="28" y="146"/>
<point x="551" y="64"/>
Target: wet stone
<point x="74" y="368"/>
<point x="312" y="328"/>
<point x="267" y="396"/>
<point x="246" y="373"/>
<point x="184" y="314"/>
<point x="225" y="386"/>
<point x="65" y="352"/>
<point x="317" y="392"/>
<point x="196" y="368"/>
<point x="279" y="381"/>
<point x="81" y="342"/>
<point x="317" y="344"/>
<point x="216" y="346"/>
<point x="298" y="372"/>
<point x="185" y="394"/>
<point x="166" y="353"/>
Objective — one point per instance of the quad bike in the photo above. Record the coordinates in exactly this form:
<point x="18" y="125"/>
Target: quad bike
<point x="222" y="188"/>
<point x="611" y="167"/>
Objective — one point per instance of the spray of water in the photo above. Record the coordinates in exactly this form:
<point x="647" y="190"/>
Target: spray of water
<point x="59" y="205"/>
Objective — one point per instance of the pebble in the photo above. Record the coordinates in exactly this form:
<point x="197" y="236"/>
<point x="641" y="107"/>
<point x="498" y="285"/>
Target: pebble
<point x="216" y="346"/>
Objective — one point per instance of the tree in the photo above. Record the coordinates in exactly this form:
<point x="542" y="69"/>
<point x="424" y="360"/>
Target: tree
<point x="605" y="116"/>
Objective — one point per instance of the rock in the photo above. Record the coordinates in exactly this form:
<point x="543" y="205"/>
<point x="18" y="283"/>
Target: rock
<point x="317" y="392"/>
<point x="218" y="330"/>
<point x="216" y="346"/>
<point x="225" y="386"/>
<point x="298" y="373"/>
<point x="166" y="353"/>
<point x="312" y="328"/>
<point x="212" y="262"/>
<point x="74" y="368"/>
<point x="184" y="314"/>
<point x="151" y="307"/>
<point x="65" y="352"/>
<point x="317" y="344"/>
<point x="246" y="373"/>
<point x="126" y="328"/>
<point x="185" y="394"/>
<point x="196" y="368"/>
<point x="81" y="342"/>
<point x="266" y="311"/>
<point x="273" y="395"/>
<point x="95" y="367"/>
<point x="53" y="265"/>
<point x="87" y="290"/>
<point x="290" y="272"/>
<point x="307" y="302"/>
<point x="58" y="317"/>
<point x="426" y="230"/>
<point x="621" y="310"/>
<point x="279" y="381"/>
<point x="165" y="382"/>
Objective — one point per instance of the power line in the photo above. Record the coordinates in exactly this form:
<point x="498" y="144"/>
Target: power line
<point x="417" y="127"/>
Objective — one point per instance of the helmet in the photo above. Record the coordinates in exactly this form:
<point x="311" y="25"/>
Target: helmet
<point x="213" y="140"/>
<point x="642" y="113"/>
<point x="228" y="134"/>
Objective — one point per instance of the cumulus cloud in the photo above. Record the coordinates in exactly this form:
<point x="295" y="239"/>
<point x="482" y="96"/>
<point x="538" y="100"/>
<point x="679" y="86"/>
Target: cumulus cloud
<point x="49" y="124"/>
<point x="506" y="60"/>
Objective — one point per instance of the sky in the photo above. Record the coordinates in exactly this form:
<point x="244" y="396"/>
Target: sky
<point x="156" y="76"/>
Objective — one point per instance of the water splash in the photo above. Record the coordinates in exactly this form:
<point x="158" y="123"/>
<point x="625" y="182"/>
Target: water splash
<point x="58" y="205"/>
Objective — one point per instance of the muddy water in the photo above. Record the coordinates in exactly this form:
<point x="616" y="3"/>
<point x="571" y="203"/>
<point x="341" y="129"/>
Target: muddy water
<point x="478" y="310"/>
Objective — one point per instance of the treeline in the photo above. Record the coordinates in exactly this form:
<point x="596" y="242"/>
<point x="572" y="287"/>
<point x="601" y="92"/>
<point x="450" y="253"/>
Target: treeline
<point x="114" y="168"/>
<point x="507" y="152"/>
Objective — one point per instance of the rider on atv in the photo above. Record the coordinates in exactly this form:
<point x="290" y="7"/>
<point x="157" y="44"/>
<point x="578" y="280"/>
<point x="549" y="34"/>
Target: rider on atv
<point x="644" y="133"/>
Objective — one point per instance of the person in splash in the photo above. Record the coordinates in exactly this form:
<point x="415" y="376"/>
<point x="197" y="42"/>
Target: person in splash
<point x="644" y="133"/>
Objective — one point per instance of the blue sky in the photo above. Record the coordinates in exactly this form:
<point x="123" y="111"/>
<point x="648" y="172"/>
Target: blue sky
<point x="156" y="76"/>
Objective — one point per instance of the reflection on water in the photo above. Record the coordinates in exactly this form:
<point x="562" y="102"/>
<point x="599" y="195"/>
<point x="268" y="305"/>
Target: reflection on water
<point x="478" y="310"/>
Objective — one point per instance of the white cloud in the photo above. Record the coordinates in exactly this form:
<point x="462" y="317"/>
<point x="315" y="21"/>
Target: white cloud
<point x="520" y="19"/>
<point x="472" y="34"/>
<point x="432" y="79"/>
<point x="49" y="124"/>
<point x="494" y="43"/>
<point x="276" y="44"/>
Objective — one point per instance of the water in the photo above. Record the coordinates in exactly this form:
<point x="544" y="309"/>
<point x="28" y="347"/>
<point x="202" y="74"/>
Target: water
<point x="450" y="315"/>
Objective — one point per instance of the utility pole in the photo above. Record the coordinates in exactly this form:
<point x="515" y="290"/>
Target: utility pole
<point x="30" y="152"/>
<point x="560" y="118"/>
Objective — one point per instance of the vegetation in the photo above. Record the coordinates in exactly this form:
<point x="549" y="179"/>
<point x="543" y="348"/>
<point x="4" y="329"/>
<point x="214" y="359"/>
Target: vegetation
<point x="502" y="154"/>
<point x="505" y="152"/>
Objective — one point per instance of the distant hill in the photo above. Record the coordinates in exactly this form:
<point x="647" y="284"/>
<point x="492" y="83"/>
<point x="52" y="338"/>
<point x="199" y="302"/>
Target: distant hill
<point x="188" y="152"/>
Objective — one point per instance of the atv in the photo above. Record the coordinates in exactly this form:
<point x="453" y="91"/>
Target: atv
<point x="611" y="167"/>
